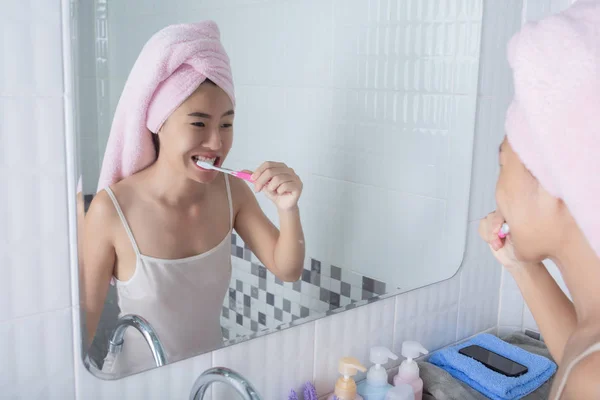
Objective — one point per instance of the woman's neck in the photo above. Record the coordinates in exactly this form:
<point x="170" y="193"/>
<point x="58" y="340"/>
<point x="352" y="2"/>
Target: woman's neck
<point x="170" y="186"/>
<point x="580" y="268"/>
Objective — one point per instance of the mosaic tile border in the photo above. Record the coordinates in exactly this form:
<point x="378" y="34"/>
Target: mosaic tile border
<point x="258" y="301"/>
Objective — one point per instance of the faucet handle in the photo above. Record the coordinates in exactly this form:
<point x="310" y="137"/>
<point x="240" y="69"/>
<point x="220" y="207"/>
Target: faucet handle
<point x="227" y="376"/>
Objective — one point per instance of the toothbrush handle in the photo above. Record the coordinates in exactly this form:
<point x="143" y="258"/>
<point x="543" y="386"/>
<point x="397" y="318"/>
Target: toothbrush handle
<point x="503" y="231"/>
<point x="243" y="175"/>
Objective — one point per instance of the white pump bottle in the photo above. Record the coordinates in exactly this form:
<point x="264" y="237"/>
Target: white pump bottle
<point x="408" y="372"/>
<point x="376" y="385"/>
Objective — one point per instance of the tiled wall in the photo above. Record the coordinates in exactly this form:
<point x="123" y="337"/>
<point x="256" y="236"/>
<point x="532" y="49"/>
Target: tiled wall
<point x="39" y="343"/>
<point x="258" y="301"/>
<point x="514" y="313"/>
<point x="36" y="330"/>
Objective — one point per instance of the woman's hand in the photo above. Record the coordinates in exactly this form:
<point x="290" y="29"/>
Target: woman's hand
<point x="502" y="249"/>
<point x="279" y="183"/>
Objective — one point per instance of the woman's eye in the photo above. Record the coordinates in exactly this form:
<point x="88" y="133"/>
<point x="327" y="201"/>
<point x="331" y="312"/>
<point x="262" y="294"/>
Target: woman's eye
<point x="199" y="124"/>
<point x="226" y="126"/>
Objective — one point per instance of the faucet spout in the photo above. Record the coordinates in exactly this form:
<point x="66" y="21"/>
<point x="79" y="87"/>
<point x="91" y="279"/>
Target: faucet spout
<point x="115" y="344"/>
<point x="224" y="375"/>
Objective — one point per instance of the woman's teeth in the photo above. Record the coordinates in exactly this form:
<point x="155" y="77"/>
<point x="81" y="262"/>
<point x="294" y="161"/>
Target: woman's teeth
<point x="210" y="161"/>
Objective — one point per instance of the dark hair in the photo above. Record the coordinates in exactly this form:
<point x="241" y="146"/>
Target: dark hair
<point x="156" y="142"/>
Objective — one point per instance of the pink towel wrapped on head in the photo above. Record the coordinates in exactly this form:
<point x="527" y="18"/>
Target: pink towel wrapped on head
<point x="170" y="67"/>
<point x="553" y="123"/>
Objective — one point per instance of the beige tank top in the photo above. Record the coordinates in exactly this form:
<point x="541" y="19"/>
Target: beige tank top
<point x="182" y="299"/>
<point x="563" y="383"/>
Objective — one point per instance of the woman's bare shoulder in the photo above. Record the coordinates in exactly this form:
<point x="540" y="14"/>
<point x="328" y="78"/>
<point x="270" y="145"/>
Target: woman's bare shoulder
<point x="240" y="192"/>
<point x="584" y="380"/>
<point x="127" y="192"/>
<point x="583" y="350"/>
<point x="102" y="211"/>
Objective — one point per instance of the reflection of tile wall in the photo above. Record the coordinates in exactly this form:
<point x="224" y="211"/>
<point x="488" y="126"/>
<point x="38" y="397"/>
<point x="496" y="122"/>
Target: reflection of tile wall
<point x="258" y="300"/>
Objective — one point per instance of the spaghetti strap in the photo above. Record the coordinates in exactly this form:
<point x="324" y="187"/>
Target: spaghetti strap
<point x="229" y="201"/>
<point x="590" y="350"/>
<point x="123" y="220"/>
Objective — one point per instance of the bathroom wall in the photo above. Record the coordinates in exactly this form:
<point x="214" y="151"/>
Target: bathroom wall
<point x="514" y="313"/>
<point x="36" y="307"/>
<point x="38" y="294"/>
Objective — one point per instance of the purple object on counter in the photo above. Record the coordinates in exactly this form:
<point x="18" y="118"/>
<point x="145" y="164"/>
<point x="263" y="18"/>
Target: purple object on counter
<point x="310" y="393"/>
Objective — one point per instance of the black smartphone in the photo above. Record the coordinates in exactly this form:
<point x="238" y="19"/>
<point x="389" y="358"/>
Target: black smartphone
<point x="494" y="361"/>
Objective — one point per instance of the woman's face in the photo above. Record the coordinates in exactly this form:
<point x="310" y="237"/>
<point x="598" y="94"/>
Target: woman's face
<point x="200" y="129"/>
<point x="529" y="210"/>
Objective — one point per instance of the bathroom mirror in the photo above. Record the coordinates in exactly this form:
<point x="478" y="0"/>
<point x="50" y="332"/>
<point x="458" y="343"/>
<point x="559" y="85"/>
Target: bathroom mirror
<point x="372" y="102"/>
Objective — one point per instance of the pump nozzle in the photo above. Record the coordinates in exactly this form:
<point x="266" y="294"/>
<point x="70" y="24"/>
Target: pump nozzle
<point x="380" y="355"/>
<point x="345" y="388"/>
<point x="377" y="375"/>
<point x="412" y="350"/>
<point x="349" y="366"/>
<point x="409" y="369"/>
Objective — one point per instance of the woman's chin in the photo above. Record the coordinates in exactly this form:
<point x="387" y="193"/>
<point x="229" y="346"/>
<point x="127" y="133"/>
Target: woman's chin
<point x="204" y="176"/>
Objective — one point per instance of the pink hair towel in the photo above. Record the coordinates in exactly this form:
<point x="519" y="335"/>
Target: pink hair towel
<point x="170" y="67"/>
<point x="553" y="123"/>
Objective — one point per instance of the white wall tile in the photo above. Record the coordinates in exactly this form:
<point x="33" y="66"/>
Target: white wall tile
<point x="36" y="267"/>
<point x="501" y="19"/>
<point x="480" y="275"/>
<point x="537" y="9"/>
<point x="528" y="320"/>
<point x="32" y="167"/>
<point x="511" y="302"/>
<point x="35" y="316"/>
<point x="173" y="381"/>
<point x="37" y="357"/>
<point x="351" y="333"/>
<point x="35" y="62"/>
<point x="490" y="130"/>
<point x="428" y="315"/>
<point x="274" y="363"/>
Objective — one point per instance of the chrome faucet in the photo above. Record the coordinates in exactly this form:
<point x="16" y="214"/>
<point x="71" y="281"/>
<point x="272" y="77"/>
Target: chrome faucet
<point x="225" y="375"/>
<point x="115" y="344"/>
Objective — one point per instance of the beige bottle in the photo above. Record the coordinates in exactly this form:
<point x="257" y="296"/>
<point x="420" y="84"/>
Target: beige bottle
<point x="345" y="387"/>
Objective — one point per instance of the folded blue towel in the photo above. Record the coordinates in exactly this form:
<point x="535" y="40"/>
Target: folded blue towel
<point x="492" y="384"/>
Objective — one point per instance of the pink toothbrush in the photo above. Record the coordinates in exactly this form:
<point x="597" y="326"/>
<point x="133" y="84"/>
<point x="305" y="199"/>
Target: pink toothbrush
<point x="504" y="231"/>
<point x="238" y="174"/>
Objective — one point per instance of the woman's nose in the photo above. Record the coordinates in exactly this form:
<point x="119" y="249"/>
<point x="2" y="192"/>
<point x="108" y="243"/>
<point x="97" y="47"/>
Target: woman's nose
<point x="213" y="141"/>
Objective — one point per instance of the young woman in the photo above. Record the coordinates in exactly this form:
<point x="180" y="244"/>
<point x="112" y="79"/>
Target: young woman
<point x="162" y="230"/>
<point x="549" y="186"/>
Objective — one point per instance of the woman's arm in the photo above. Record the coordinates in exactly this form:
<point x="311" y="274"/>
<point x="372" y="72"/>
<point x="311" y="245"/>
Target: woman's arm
<point x="282" y="252"/>
<point x="552" y="310"/>
<point x="98" y="260"/>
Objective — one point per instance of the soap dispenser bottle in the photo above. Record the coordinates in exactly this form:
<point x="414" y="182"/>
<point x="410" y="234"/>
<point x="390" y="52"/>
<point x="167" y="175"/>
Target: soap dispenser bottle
<point x="401" y="392"/>
<point x="345" y="387"/>
<point x="376" y="385"/>
<point x="409" y="369"/>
